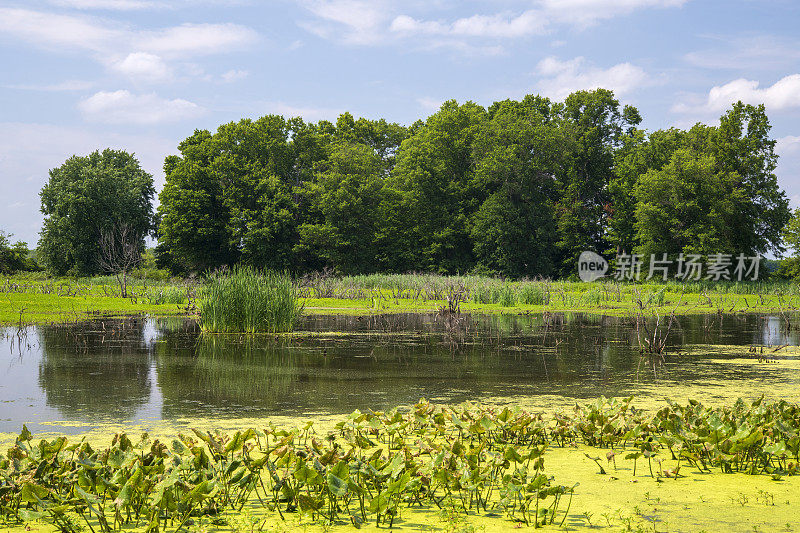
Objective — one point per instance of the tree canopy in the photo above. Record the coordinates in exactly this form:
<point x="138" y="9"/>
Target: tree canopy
<point x="86" y="196"/>
<point x="14" y="257"/>
<point x="519" y="189"/>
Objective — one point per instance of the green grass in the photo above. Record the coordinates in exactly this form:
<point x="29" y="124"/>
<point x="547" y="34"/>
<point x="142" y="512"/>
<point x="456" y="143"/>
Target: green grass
<point x="34" y="298"/>
<point x="246" y="300"/>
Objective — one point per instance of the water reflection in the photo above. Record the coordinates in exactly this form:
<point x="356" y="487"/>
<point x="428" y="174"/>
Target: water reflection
<point x="166" y="369"/>
<point x="97" y="368"/>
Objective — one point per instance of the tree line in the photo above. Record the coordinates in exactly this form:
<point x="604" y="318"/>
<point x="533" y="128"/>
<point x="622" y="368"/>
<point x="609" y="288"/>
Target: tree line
<point x="517" y="189"/>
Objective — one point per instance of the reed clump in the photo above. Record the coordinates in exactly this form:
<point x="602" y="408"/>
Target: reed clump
<point x="247" y="300"/>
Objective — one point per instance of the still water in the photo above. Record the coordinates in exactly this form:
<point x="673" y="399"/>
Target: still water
<point x="140" y="370"/>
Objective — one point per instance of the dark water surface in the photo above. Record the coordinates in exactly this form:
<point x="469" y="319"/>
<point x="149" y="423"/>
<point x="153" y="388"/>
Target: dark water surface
<point x="158" y="369"/>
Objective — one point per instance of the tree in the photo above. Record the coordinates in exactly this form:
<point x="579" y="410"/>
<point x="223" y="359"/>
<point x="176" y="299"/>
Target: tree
<point x="709" y="189"/>
<point x="593" y="127"/>
<point x="244" y="193"/>
<point x="791" y="233"/>
<point x="434" y="177"/>
<point x="86" y="196"/>
<point x="345" y="204"/>
<point x="687" y="207"/>
<point x="14" y="257"/>
<point x="517" y="157"/>
<point x="742" y="145"/>
<point x="120" y="252"/>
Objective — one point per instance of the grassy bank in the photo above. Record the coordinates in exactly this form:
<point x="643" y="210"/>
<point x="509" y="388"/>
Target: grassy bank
<point x="605" y="465"/>
<point x="35" y="299"/>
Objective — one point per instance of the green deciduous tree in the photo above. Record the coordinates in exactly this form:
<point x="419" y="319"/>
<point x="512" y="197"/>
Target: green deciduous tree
<point x="687" y="206"/>
<point x="434" y="175"/>
<point x="84" y="197"/>
<point x="344" y="207"/>
<point x="791" y="233"/>
<point x="14" y="257"/>
<point x="517" y="159"/>
<point x="594" y="127"/>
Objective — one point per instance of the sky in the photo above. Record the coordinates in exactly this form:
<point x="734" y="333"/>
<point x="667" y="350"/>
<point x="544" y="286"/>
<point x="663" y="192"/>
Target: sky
<point x="141" y="75"/>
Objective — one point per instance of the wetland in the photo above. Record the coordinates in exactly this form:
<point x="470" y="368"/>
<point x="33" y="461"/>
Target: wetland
<point x="164" y="376"/>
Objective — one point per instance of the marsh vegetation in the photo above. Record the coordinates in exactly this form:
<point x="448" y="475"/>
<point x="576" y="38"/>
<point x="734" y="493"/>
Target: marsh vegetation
<point x="245" y="300"/>
<point x="467" y="460"/>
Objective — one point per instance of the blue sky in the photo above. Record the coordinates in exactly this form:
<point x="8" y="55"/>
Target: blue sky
<point x="80" y="75"/>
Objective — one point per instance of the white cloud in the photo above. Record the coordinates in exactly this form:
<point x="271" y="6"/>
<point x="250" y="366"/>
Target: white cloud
<point x="560" y="78"/>
<point x="234" y="75"/>
<point x="367" y="22"/>
<point x="52" y="30"/>
<point x="123" y="107"/>
<point x="748" y="53"/>
<point x="584" y="13"/>
<point x="501" y="26"/>
<point x="135" y="53"/>
<point x="363" y="21"/>
<point x="783" y="94"/>
<point x="196" y="39"/>
<point x="143" y="66"/>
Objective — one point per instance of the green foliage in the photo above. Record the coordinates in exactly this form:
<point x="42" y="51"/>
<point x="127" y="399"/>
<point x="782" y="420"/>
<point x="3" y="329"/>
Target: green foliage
<point x="464" y="460"/>
<point x="15" y="257"/>
<point x="534" y="294"/>
<point x="791" y="233"/>
<point x="275" y="193"/>
<point x="473" y="459"/>
<point x="246" y="300"/>
<point x="788" y="269"/>
<point x="344" y="210"/>
<point x="434" y="174"/>
<point x="519" y="190"/>
<point x="86" y="196"/>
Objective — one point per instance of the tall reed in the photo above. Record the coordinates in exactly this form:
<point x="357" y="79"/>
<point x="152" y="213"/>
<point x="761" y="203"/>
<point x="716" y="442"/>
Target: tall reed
<point x="246" y="300"/>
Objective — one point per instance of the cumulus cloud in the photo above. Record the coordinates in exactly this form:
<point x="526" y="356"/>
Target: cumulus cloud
<point x="495" y="26"/>
<point x="124" y="107"/>
<point x="195" y="39"/>
<point x="143" y="66"/>
<point x="783" y="94"/>
<point x="560" y="78"/>
<point x="132" y="52"/>
<point x="368" y="22"/>
<point x="582" y="13"/>
<point x="353" y="21"/>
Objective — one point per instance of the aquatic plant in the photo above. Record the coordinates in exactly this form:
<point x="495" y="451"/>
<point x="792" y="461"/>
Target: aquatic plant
<point x="535" y="293"/>
<point x="246" y="300"/>
<point x="462" y="458"/>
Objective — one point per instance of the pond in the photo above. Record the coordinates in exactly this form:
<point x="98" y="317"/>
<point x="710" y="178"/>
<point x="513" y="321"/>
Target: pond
<point x="70" y="378"/>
